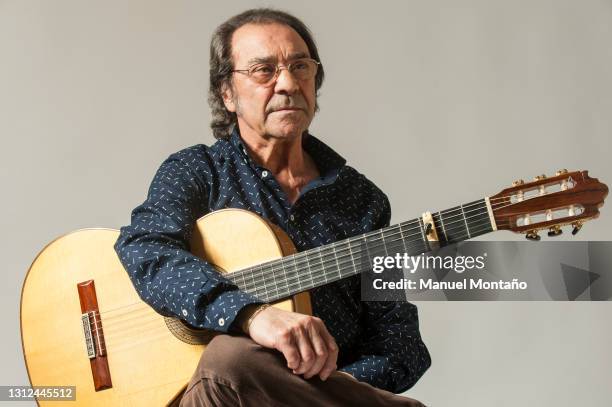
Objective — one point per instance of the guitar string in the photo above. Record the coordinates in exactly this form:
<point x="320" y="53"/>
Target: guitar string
<point x="373" y="240"/>
<point x="140" y="328"/>
<point x="362" y="236"/>
<point x="327" y="261"/>
<point x="131" y="343"/>
<point x="158" y="326"/>
<point x="253" y="274"/>
<point x="295" y="281"/>
<point x="439" y="214"/>
<point x="291" y="282"/>
<point x="110" y="329"/>
<point x="347" y="242"/>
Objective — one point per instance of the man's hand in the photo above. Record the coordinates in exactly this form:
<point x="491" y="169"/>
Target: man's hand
<point x="302" y="339"/>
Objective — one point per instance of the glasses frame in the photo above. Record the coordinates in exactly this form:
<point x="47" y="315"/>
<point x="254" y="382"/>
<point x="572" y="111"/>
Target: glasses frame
<point x="279" y="67"/>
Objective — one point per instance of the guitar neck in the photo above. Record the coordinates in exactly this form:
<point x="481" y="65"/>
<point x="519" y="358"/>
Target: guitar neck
<point x="316" y="267"/>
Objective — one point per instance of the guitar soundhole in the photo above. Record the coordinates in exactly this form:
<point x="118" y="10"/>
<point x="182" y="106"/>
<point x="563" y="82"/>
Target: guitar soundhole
<point x="187" y="333"/>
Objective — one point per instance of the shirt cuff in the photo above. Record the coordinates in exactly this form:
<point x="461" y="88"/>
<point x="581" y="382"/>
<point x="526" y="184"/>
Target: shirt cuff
<point x="218" y="315"/>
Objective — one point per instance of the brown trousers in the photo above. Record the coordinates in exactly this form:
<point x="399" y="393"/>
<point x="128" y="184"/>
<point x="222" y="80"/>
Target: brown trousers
<point x="235" y="371"/>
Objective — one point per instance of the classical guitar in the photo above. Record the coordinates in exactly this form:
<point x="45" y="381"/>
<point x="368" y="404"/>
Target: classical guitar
<point x="84" y="325"/>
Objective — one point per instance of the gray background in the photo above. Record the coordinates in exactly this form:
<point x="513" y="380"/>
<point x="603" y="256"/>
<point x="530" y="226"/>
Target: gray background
<point x="438" y="102"/>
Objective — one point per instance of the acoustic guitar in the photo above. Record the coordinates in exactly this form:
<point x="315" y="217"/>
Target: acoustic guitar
<point x="84" y="325"/>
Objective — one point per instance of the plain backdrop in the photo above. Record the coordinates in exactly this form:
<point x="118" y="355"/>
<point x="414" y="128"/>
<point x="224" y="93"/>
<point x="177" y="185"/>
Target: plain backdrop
<point x="437" y="102"/>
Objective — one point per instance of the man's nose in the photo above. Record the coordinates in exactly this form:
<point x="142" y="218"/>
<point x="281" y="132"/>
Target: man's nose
<point x="286" y="82"/>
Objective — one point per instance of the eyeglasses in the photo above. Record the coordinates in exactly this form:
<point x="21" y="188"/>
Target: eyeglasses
<point x="265" y="74"/>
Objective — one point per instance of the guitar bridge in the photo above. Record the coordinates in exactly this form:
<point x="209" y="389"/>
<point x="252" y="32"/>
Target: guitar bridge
<point x="94" y="335"/>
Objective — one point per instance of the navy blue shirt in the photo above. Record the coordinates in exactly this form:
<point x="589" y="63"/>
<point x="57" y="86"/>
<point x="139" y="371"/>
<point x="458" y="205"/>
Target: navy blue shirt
<point x="379" y="342"/>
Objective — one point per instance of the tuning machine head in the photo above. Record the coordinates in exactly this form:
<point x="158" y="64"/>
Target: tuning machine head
<point x="577" y="226"/>
<point x="533" y="235"/>
<point x="555" y="231"/>
<point x="518" y="182"/>
<point x="539" y="177"/>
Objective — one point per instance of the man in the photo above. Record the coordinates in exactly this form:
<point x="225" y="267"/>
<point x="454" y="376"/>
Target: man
<point x="264" y="76"/>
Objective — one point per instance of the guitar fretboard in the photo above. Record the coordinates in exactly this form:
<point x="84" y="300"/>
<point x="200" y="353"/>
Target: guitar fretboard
<point x="289" y="275"/>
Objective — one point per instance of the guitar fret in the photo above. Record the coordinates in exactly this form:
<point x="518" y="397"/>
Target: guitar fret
<point x="286" y="279"/>
<point x="254" y="289"/>
<point x="336" y="259"/>
<point x="297" y="273"/>
<point x="351" y="256"/>
<point x="309" y="271"/>
<point x="403" y="238"/>
<point x="321" y="260"/>
<point x="382" y="239"/>
<point x="467" y="229"/>
<point x="422" y="228"/>
<point x="274" y="277"/>
<point x="264" y="279"/>
<point x="443" y="228"/>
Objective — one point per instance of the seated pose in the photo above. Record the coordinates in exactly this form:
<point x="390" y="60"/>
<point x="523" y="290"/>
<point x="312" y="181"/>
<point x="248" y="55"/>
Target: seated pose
<point x="265" y="72"/>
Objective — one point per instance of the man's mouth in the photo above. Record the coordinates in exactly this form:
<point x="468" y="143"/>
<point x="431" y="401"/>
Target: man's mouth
<point x="288" y="109"/>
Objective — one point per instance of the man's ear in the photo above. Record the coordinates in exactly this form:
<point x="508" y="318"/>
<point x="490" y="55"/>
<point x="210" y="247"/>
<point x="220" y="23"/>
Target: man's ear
<point x="228" y="97"/>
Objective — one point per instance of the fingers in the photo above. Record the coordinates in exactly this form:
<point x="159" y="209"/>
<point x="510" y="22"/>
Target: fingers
<point x="286" y="345"/>
<point x="303" y="340"/>
<point x="307" y="352"/>
<point x="320" y="350"/>
<point x="332" y="354"/>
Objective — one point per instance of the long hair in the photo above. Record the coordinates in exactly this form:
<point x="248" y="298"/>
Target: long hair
<point x="221" y="64"/>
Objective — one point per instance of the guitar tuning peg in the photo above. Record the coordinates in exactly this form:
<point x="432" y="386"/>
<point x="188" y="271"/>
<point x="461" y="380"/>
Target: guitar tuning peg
<point x="555" y="231"/>
<point x="533" y="235"/>
<point x="540" y="177"/>
<point x="518" y="182"/>
<point x="562" y="171"/>
<point x="577" y="226"/>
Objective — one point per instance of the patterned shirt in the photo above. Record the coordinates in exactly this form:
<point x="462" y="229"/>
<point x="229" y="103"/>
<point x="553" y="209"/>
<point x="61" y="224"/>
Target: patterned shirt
<point x="379" y="342"/>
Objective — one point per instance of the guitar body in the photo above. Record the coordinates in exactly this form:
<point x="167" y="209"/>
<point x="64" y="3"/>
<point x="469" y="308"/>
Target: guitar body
<point x="150" y="358"/>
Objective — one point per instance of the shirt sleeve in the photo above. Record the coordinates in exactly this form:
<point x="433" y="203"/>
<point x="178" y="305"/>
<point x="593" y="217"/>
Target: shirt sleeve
<point x="392" y="355"/>
<point x="154" y="250"/>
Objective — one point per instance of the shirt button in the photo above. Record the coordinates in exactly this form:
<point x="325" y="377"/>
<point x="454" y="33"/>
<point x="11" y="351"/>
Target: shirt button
<point x="221" y="322"/>
<point x="264" y="173"/>
<point x="291" y="218"/>
<point x="185" y="313"/>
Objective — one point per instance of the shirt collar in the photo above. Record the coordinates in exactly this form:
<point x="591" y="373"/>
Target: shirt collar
<point x="325" y="158"/>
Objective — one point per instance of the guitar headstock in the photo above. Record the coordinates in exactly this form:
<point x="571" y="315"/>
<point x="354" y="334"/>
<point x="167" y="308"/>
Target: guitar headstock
<point x="568" y="198"/>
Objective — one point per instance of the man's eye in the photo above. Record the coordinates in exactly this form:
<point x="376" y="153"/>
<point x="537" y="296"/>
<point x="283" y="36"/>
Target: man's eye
<point x="300" y="66"/>
<point x="263" y="69"/>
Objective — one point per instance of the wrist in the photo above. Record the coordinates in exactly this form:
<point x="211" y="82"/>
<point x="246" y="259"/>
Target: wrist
<point x="247" y="314"/>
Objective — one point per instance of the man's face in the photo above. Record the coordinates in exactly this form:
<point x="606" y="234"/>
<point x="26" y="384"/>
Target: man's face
<point x="283" y="109"/>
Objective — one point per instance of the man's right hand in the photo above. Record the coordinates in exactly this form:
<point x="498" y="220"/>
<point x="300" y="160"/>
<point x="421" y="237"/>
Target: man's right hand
<point x="303" y="339"/>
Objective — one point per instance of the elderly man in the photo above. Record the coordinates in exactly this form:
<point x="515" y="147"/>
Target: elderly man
<point x="264" y="76"/>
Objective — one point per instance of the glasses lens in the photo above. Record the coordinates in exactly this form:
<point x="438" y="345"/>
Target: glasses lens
<point x="262" y="73"/>
<point x="304" y="69"/>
